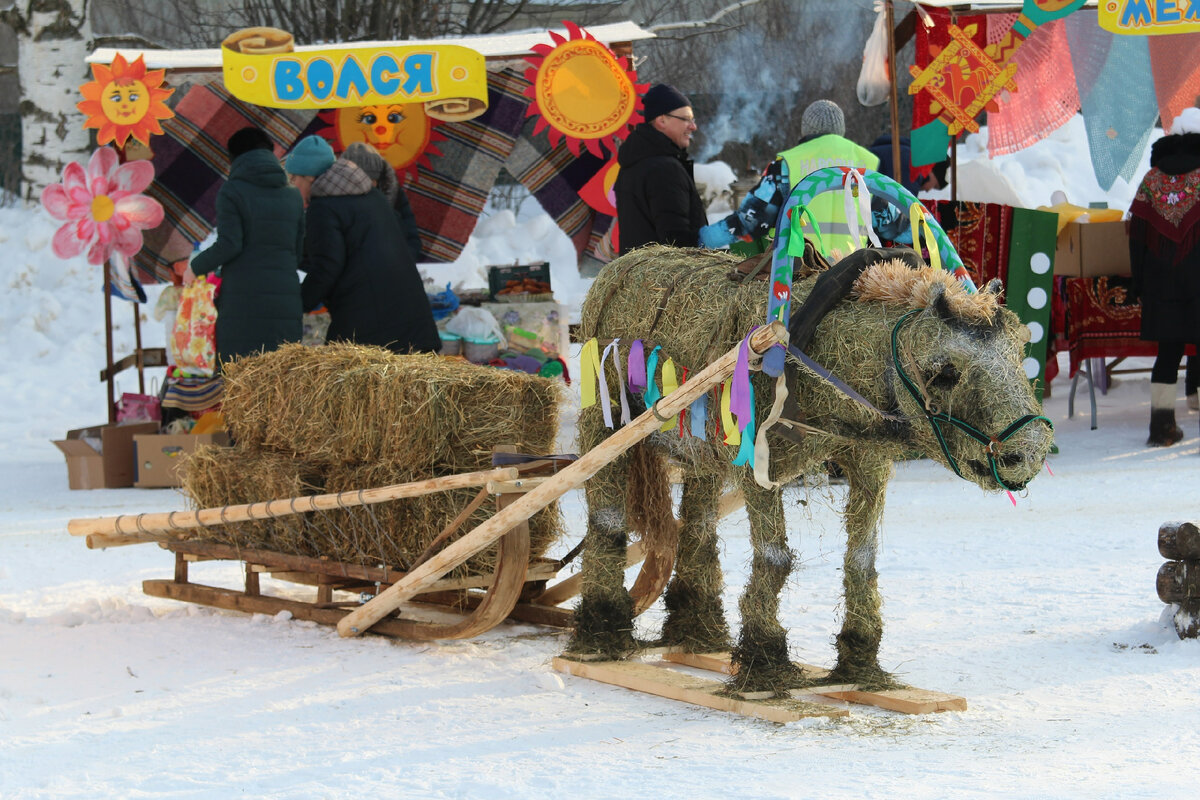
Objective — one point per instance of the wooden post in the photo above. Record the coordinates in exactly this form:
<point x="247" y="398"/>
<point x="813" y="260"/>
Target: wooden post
<point x="893" y="101"/>
<point x="573" y="476"/>
<point x="183" y="520"/>
<point x="108" y="346"/>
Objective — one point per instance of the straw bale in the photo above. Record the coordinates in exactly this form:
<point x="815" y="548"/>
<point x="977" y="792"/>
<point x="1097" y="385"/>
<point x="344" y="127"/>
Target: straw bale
<point x="223" y="476"/>
<point x="351" y="404"/>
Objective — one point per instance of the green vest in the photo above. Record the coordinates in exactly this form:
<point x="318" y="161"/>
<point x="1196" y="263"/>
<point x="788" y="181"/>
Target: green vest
<point x="828" y="209"/>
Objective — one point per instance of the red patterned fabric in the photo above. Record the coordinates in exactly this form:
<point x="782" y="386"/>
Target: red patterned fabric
<point x="930" y="42"/>
<point x="981" y="233"/>
<point x="1101" y="322"/>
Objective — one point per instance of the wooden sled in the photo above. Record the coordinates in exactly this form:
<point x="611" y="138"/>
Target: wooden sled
<point x="516" y="589"/>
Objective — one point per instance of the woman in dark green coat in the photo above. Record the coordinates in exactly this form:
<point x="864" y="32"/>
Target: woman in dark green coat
<point x="260" y="239"/>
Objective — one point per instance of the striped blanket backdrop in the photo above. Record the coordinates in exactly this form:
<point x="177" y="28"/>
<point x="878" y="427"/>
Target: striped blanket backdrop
<point x="191" y="163"/>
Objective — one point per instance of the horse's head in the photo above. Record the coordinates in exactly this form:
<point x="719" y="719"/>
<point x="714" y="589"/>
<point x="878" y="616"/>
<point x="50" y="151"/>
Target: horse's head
<point x="956" y="374"/>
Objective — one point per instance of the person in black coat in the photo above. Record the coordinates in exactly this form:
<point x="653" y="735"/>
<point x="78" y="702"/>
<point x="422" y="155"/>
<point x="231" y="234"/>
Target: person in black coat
<point x="260" y="235"/>
<point x="383" y="175"/>
<point x="657" y="201"/>
<point x="1164" y="253"/>
<point x="356" y="261"/>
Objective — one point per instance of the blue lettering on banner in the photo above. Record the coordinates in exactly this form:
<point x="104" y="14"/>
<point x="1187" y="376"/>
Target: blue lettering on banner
<point x="320" y="78"/>
<point x="382" y="65"/>
<point x="352" y="77"/>
<point x="288" y="85"/>
<point x="1136" y="12"/>
<point x="1165" y="11"/>
<point x="419" y="67"/>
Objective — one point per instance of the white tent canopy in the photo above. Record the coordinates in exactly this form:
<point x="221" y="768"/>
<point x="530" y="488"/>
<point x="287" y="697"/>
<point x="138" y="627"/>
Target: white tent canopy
<point x="491" y="45"/>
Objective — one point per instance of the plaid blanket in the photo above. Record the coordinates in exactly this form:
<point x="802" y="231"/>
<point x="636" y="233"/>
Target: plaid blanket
<point x="191" y="163"/>
<point x="448" y="199"/>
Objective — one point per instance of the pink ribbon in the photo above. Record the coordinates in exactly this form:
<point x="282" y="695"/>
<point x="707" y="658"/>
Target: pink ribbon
<point x="741" y="399"/>
<point x="637" y="367"/>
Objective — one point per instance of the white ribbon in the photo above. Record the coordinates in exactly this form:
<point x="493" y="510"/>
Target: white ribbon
<point x="860" y="210"/>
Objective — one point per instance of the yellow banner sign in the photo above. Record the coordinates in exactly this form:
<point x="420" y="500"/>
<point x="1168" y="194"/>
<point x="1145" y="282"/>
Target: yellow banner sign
<point x="1150" y="17"/>
<point x="450" y="80"/>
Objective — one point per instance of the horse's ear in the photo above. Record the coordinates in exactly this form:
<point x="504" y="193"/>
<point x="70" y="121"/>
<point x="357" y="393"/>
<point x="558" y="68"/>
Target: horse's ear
<point x="938" y="302"/>
<point x="995" y="286"/>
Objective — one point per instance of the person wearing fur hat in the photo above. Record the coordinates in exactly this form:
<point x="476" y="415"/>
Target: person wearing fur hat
<point x="356" y="261"/>
<point x="384" y="177"/>
<point x="260" y="238"/>
<point x="823" y="143"/>
<point x="656" y="195"/>
<point x="1164" y="255"/>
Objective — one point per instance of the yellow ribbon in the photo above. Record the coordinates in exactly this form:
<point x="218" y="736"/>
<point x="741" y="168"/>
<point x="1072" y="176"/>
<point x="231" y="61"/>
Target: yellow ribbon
<point x="589" y="368"/>
<point x="732" y="434"/>
<point x="917" y="216"/>
<point x="670" y="382"/>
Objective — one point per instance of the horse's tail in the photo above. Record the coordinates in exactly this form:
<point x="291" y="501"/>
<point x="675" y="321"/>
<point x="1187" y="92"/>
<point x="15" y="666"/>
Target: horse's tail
<point x="648" y="498"/>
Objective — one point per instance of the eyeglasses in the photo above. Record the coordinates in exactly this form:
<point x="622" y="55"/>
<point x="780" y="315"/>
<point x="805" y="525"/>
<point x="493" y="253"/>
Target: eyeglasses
<point x="688" y="120"/>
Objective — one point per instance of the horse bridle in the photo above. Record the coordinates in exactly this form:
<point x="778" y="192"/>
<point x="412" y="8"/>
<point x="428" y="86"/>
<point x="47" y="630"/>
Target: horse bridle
<point x="992" y="445"/>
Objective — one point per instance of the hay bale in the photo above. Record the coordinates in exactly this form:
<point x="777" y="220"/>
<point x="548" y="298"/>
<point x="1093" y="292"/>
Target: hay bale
<point x="224" y="476"/>
<point x="345" y="417"/>
<point x="350" y="404"/>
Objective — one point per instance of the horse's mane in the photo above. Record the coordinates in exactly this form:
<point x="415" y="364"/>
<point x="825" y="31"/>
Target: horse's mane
<point x="898" y="283"/>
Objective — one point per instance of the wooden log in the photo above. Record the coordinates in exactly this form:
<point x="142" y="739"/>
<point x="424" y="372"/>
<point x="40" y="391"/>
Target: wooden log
<point x="1179" y="541"/>
<point x="147" y="524"/>
<point x="687" y="688"/>
<point x="1187" y="619"/>
<point x="559" y="484"/>
<point x="1178" y="581"/>
<point x="99" y="541"/>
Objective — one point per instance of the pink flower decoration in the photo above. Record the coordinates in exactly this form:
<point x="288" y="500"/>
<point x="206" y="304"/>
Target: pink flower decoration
<point x="102" y="206"/>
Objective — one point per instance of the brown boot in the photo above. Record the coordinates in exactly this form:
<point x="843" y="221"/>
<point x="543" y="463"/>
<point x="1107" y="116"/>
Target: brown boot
<point x="1163" y="430"/>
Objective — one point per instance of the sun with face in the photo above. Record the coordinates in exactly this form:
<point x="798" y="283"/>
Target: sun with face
<point x="402" y="133"/>
<point x="125" y="100"/>
<point x="582" y="92"/>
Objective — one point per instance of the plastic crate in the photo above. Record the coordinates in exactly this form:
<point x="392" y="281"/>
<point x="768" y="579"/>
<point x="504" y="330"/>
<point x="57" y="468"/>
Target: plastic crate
<point x="499" y="276"/>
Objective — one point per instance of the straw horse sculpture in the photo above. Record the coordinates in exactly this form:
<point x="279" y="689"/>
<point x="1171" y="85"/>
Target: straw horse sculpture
<point x="911" y="342"/>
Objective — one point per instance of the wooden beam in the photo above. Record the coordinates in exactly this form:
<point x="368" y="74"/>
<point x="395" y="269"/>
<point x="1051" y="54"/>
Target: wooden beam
<point x="687" y="688"/>
<point x="186" y="520"/>
<point x="569" y="478"/>
<point x="151" y="357"/>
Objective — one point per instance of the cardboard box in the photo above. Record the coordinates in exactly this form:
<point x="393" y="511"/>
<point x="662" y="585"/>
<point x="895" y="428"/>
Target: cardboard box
<point x="1089" y="249"/>
<point x="101" y="457"/>
<point x="159" y="456"/>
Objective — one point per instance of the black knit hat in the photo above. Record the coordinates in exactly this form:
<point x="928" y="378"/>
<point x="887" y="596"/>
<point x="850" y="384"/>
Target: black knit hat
<point x="662" y="99"/>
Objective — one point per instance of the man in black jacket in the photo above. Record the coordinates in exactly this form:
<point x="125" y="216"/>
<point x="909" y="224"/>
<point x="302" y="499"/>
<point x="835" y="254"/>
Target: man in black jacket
<point x="657" y="200"/>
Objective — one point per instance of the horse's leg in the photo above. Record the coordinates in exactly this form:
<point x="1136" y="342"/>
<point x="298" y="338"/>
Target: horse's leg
<point x="604" y="616"/>
<point x="695" y="615"/>
<point x="761" y="655"/>
<point x="862" y="628"/>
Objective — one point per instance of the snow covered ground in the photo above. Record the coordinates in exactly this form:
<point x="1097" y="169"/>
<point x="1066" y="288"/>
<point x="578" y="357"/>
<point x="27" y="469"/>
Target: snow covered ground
<point x="1043" y="615"/>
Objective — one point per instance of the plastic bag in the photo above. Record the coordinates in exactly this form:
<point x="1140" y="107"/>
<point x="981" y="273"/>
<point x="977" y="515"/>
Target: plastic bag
<point x="873" y="84"/>
<point x="194" y="340"/>
<point x="472" y="322"/>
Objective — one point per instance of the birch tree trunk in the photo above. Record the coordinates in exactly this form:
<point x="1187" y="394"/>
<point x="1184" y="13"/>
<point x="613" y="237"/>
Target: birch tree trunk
<point x="54" y="37"/>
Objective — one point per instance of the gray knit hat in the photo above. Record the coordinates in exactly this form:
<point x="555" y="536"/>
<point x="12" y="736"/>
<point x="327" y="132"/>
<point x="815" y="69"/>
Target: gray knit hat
<point x="821" y="118"/>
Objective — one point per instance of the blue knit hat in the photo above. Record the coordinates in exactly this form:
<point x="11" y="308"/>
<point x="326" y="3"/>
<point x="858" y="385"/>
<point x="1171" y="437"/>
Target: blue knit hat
<point x="312" y="155"/>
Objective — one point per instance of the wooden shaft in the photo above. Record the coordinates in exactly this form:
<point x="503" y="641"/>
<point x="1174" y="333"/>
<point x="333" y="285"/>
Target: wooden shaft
<point x="455" y="523"/>
<point x="893" y="101"/>
<point x="99" y="541"/>
<point x="208" y="517"/>
<point x="573" y="476"/>
<point x="1179" y="540"/>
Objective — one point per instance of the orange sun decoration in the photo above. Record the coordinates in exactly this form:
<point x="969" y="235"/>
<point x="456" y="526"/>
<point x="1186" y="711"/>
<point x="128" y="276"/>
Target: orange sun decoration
<point x="402" y="133"/>
<point x="124" y="100"/>
<point x="582" y="91"/>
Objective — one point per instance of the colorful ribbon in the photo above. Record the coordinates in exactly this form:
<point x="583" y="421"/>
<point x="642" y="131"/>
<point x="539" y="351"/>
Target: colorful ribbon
<point x="670" y="382"/>
<point x="589" y="367"/>
<point x="651" y="395"/>
<point x="745" y="454"/>
<point x="637" y="367"/>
